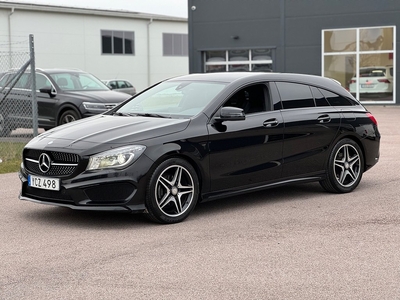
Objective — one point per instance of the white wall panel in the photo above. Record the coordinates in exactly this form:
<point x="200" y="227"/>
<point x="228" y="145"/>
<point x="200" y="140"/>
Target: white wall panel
<point x="67" y="40"/>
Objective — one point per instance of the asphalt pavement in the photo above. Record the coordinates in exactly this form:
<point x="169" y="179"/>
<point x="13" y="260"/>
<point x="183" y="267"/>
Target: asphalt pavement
<point x="294" y="242"/>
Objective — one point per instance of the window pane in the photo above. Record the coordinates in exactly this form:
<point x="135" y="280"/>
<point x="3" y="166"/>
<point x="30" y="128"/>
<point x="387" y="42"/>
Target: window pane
<point x="129" y="39"/>
<point x="106" y="41"/>
<point x="261" y="54"/>
<point x="167" y="44"/>
<point x="213" y="56"/>
<point x="238" y="55"/>
<point x="336" y="100"/>
<point x="177" y="45"/>
<point x="118" y="45"/>
<point x="262" y="68"/>
<point x="42" y="81"/>
<point x="374" y="39"/>
<point x="185" y="45"/>
<point x="376" y="77"/>
<point x="251" y="99"/>
<point x="340" y="40"/>
<point x="239" y="68"/>
<point x="318" y="97"/>
<point x="295" y="95"/>
<point x="340" y="67"/>
<point x="215" y="68"/>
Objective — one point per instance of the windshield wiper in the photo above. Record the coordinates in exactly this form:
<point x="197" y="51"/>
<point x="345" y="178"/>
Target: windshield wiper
<point x="151" y="115"/>
<point x="138" y="114"/>
<point x="121" y="114"/>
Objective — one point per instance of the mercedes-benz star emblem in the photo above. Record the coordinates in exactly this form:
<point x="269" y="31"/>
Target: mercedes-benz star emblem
<point x="44" y="162"/>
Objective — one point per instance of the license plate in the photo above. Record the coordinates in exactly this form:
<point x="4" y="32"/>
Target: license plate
<point x="367" y="86"/>
<point x="44" y="183"/>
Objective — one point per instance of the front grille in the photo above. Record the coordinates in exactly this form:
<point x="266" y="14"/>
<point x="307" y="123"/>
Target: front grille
<point x="62" y="164"/>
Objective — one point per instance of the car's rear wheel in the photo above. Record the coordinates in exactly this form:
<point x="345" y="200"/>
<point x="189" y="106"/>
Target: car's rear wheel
<point x="68" y="116"/>
<point x="172" y="191"/>
<point x="345" y="167"/>
<point x="5" y="128"/>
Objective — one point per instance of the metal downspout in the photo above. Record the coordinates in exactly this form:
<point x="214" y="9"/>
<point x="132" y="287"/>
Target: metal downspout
<point x="148" y="52"/>
<point x="9" y="37"/>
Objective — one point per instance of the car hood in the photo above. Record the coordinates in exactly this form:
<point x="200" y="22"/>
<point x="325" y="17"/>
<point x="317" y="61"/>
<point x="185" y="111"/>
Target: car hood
<point x="98" y="96"/>
<point x="108" y="131"/>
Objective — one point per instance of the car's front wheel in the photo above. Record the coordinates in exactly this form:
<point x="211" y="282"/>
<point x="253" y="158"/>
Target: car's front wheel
<point x="68" y="116"/>
<point x="172" y="191"/>
<point x="345" y="167"/>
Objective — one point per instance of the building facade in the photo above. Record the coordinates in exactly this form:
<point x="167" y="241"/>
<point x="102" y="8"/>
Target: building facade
<point x="141" y="48"/>
<point x="352" y="41"/>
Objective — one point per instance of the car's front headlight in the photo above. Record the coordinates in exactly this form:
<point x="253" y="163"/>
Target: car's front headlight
<point x="116" y="158"/>
<point x="91" y="106"/>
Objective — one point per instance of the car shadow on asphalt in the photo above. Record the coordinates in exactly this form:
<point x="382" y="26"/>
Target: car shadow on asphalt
<point x="60" y="216"/>
<point x="295" y="193"/>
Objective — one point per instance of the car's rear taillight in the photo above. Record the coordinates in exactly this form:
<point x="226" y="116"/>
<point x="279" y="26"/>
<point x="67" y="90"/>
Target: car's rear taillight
<point x="372" y="118"/>
<point x="353" y="81"/>
<point x="384" y="80"/>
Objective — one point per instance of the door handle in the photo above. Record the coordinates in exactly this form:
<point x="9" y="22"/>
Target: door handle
<point x="271" y="123"/>
<point x="324" y="119"/>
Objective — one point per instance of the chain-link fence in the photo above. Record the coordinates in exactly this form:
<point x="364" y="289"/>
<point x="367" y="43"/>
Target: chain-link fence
<point x="18" y="105"/>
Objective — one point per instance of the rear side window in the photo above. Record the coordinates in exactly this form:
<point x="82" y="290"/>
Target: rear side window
<point x="294" y="95"/>
<point x="336" y="100"/>
<point x="128" y="84"/>
<point x="319" y="98"/>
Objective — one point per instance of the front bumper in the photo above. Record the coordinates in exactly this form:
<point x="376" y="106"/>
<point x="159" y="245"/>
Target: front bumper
<point x="105" y="190"/>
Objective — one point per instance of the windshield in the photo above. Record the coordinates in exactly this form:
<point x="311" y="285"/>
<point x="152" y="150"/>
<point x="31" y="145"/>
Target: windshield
<point x="173" y="98"/>
<point x="72" y="81"/>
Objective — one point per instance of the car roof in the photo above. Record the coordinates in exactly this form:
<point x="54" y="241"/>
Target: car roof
<point x="59" y="70"/>
<point x="246" y="77"/>
<point x="114" y="79"/>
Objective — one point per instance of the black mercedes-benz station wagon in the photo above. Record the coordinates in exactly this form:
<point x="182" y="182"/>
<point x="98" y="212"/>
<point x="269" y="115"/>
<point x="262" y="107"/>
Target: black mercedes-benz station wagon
<point x="200" y="137"/>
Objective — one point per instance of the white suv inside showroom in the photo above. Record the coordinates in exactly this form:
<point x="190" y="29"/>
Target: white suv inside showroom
<point x="373" y="80"/>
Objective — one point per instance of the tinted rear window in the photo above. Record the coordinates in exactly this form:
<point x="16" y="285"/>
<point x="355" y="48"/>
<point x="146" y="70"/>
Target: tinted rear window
<point x="320" y="100"/>
<point x="294" y="95"/>
<point x="336" y="100"/>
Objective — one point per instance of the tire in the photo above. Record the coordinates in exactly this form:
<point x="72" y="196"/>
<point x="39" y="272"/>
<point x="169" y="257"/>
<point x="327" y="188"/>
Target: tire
<point x="345" y="167"/>
<point x="5" y="128"/>
<point x="68" y="116"/>
<point x="172" y="191"/>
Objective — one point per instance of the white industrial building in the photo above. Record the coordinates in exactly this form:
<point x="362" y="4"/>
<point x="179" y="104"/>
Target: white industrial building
<point x="142" y="48"/>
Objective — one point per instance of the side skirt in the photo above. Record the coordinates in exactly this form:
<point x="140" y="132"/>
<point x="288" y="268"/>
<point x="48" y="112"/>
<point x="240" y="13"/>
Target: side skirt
<point x="226" y="193"/>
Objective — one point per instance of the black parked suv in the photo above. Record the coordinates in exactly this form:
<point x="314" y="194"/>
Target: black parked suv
<point x="63" y="96"/>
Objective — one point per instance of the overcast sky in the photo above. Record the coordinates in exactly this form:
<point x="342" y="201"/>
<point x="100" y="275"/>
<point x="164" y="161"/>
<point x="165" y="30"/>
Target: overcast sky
<point x="176" y="8"/>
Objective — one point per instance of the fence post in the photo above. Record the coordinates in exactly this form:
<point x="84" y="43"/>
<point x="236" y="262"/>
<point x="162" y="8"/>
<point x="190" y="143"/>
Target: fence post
<point x="33" y="74"/>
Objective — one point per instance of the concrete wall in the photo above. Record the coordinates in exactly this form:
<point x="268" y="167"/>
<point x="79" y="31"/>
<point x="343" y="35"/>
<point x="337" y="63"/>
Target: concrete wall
<point x="293" y="28"/>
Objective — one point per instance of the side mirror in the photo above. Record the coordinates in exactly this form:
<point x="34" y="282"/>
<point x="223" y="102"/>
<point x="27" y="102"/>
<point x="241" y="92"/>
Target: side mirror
<point x="48" y="90"/>
<point x="230" y="113"/>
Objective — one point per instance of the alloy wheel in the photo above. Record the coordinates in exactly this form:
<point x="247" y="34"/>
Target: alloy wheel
<point x="347" y="165"/>
<point x="174" y="190"/>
